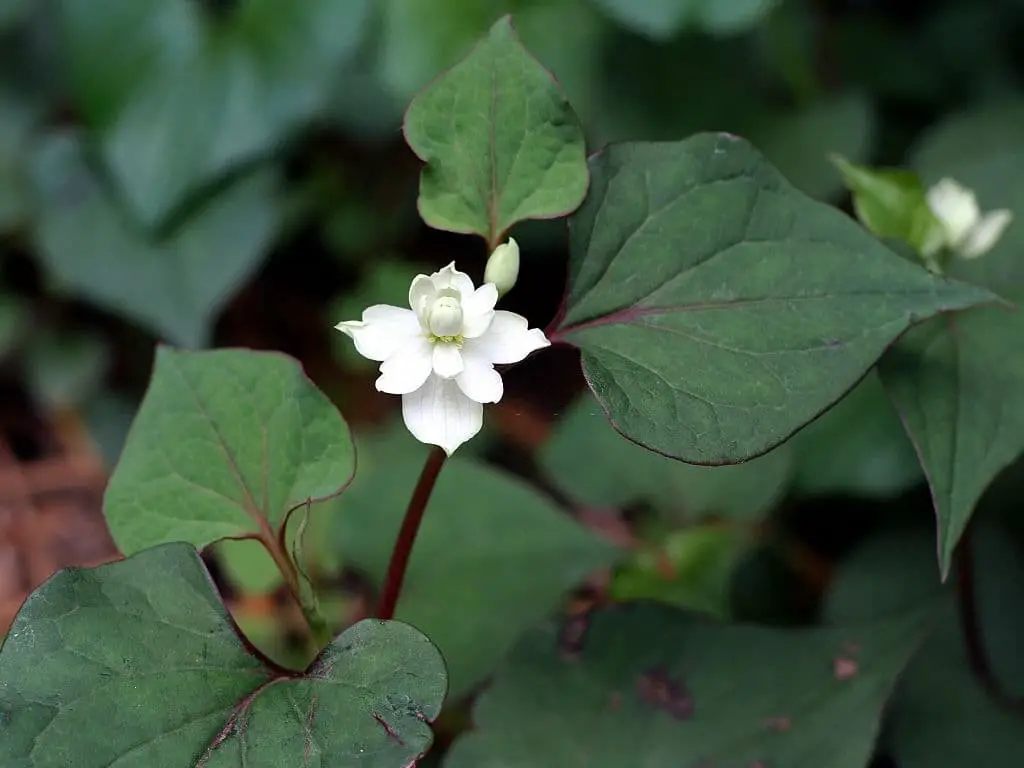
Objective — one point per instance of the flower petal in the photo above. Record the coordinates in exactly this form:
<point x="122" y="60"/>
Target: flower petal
<point x="382" y="330"/>
<point x="479" y="381"/>
<point x="508" y="339"/>
<point x="438" y="413"/>
<point x="447" y="360"/>
<point x="955" y="206"/>
<point x="407" y="369"/>
<point x="985" y="234"/>
<point x="450" y="277"/>
<point x="478" y="310"/>
<point x="421" y="295"/>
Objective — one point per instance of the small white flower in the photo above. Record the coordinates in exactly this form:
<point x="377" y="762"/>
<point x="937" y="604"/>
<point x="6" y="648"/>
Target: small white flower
<point x="967" y="231"/>
<point x="440" y="354"/>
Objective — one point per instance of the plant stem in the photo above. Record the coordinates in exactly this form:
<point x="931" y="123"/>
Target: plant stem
<point x="970" y="623"/>
<point x="407" y="534"/>
<point x="319" y="631"/>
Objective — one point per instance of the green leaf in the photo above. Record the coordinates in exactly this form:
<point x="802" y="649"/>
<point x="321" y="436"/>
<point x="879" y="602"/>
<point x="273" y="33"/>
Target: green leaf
<point x="224" y="444"/>
<point x="857" y="447"/>
<point x="492" y="557"/>
<point x="799" y="142"/>
<point x="717" y="308"/>
<point x="12" y="11"/>
<point x="958" y="383"/>
<point x="959" y="389"/>
<point x="173" y="286"/>
<point x="500" y="142"/>
<point x="137" y="664"/>
<point x="587" y="459"/>
<point x="648" y="685"/>
<point x="891" y="203"/>
<point x="941" y="716"/>
<point x="182" y="98"/>
<point x="248" y="565"/>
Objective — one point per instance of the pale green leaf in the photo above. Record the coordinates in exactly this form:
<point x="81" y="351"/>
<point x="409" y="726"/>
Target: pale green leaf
<point x="500" y="142"/>
<point x="225" y="444"/>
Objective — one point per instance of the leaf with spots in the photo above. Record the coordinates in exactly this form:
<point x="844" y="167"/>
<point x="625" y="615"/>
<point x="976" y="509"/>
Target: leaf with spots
<point x="225" y="443"/>
<point x="500" y="142"/>
<point x="137" y="664"/>
<point x="718" y="309"/>
<point x="700" y="694"/>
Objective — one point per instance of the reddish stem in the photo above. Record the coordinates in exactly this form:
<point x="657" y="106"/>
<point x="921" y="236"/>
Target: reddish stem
<point x="407" y="534"/>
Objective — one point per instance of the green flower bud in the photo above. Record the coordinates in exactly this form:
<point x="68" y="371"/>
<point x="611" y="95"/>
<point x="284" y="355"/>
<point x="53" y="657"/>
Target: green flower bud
<point x="503" y="267"/>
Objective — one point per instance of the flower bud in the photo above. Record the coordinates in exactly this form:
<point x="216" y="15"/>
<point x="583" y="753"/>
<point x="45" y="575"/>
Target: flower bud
<point x="503" y="267"/>
<point x="985" y="234"/>
<point x="445" y="317"/>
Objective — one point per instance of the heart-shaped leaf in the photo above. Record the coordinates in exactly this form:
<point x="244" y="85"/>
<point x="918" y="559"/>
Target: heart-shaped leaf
<point x="182" y="98"/>
<point x="224" y="444"/>
<point x="137" y="664"/>
<point x="718" y="309"/>
<point x="958" y="382"/>
<point x="500" y="142"/>
<point x="699" y="693"/>
<point x="174" y="287"/>
<point x="492" y="557"/>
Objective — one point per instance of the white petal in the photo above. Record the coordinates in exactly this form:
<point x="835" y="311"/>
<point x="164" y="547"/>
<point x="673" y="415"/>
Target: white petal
<point x="407" y="369"/>
<point x="508" y="339"/>
<point x="438" y="413"/>
<point x="447" y="360"/>
<point x="382" y="330"/>
<point x="450" y="277"/>
<point x="421" y="295"/>
<point x="478" y="310"/>
<point x="479" y="381"/>
<point x="986" y="234"/>
<point x="955" y="206"/>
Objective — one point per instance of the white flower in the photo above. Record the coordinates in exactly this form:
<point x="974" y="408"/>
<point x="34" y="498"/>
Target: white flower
<point x="440" y="355"/>
<point x="503" y="267"/>
<point x="967" y="231"/>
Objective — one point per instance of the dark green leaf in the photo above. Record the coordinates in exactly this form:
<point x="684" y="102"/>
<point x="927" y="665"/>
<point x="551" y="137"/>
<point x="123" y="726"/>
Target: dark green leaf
<point x="175" y="287"/>
<point x="941" y="716"/>
<point x="717" y="308"/>
<point x="224" y="444"/>
<point x="959" y="382"/>
<point x="182" y="98"/>
<point x="648" y="685"/>
<point x="857" y="447"/>
<point x="500" y="142"/>
<point x="492" y="558"/>
<point x="597" y="466"/>
<point x="137" y="664"/>
<point x="959" y="388"/>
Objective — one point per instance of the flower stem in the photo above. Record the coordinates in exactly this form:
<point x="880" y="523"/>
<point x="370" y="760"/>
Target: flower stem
<point x="407" y="534"/>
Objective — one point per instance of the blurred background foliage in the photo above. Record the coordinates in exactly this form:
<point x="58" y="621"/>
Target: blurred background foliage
<point x="233" y="173"/>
